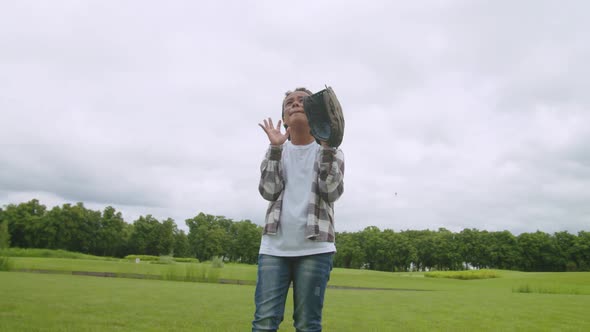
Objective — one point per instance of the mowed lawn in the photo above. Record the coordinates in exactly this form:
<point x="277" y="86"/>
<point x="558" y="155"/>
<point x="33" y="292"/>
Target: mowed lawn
<point x="58" y="302"/>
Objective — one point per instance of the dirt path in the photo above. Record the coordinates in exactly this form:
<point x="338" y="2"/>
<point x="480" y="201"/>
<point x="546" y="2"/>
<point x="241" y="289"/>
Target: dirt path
<point x="221" y="281"/>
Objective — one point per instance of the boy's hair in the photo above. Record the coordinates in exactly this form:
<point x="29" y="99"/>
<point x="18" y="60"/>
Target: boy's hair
<point x="299" y="89"/>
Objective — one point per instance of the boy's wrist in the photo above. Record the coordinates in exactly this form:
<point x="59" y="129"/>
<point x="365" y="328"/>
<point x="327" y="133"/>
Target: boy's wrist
<point x="275" y="152"/>
<point x="328" y="154"/>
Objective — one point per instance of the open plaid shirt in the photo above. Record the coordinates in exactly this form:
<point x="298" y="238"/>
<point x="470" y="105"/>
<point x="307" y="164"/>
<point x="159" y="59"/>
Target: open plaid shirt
<point x="326" y="188"/>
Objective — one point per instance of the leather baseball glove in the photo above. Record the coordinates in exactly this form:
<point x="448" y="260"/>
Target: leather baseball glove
<point x="325" y="117"/>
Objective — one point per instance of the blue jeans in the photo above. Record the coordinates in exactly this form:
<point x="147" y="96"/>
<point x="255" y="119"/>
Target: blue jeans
<point x="309" y="274"/>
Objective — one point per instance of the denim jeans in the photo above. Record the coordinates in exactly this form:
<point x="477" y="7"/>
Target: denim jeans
<point x="309" y="274"/>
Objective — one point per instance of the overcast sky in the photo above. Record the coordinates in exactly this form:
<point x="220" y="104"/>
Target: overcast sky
<point x="476" y="113"/>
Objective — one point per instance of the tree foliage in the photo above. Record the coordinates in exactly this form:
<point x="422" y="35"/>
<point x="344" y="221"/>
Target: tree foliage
<point x="427" y="250"/>
<point x="105" y="233"/>
<point x="4" y="235"/>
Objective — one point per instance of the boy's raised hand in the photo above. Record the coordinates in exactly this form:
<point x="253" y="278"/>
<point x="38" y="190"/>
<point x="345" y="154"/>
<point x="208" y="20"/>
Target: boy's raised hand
<point x="274" y="134"/>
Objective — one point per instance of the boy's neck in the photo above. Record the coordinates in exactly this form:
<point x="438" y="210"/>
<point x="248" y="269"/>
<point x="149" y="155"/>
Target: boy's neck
<point x="303" y="138"/>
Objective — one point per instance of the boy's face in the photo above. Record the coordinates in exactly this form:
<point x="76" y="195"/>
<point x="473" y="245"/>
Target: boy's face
<point x="293" y="113"/>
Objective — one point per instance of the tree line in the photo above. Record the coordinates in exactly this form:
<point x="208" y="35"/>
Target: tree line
<point x="105" y="233"/>
<point x="426" y="250"/>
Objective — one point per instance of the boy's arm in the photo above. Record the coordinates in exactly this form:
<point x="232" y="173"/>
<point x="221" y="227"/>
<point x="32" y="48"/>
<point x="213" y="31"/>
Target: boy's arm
<point x="271" y="177"/>
<point x="331" y="174"/>
<point x="271" y="174"/>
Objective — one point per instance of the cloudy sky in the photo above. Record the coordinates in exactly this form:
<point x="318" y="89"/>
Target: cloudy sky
<point x="476" y="113"/>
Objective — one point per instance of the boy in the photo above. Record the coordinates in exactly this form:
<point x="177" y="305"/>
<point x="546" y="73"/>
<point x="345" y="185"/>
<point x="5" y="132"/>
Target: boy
<point x="301" y="179"/>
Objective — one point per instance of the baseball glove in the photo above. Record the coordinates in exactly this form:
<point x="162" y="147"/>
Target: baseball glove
<point x="325" y="117"/>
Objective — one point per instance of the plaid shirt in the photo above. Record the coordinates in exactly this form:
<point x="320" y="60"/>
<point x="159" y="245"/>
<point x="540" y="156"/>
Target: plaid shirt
<point x="326" y="188"/>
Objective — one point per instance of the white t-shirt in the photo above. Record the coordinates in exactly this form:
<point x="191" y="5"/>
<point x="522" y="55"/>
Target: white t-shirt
<point x="298" y="163"/>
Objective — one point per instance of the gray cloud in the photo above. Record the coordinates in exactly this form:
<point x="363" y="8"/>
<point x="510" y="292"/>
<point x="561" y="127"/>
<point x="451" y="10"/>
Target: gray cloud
<point x="474" y="113"/>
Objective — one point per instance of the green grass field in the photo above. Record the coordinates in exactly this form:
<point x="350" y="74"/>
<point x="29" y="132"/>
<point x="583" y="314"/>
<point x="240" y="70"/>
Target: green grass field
<point x="512" y="301"/>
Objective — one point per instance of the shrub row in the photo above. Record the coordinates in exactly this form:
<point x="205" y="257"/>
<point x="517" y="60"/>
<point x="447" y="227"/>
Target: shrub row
<point x="5" y="264"/>
<point x="48" y="253"/>
<point x="526" y="288"/>
<point x="463" y="275"/>
<point x="161" y="259"/>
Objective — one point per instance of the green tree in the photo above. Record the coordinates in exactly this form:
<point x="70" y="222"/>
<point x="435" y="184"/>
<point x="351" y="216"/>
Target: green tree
<point x="581" y="251"/>
<point x="166" y="237"/>
<point x="398" y="252"/>
<point x="209" y="236"/>
<point x="402" y="251"/>
<point x="144" y="238"/>
<point x="565" y="243"/>
<point x="181" y="244"/>
<point x="372" y="245"/>
<point x="424" y="242"/>
<point x="51" y="237"/>
<point x="445" y="250"/>
<point x="5" y="262"/>
<point x="245" y="242"/>
<point x="20" y="220"/>
<point x="350" y="253"/>
<point x="539" y="252"/>
<point x="4" y="234"/>
<point x="503" y="250"/>
<point x="110" y="233"/>
<point x="126" y="248"/>
<point x="471" y="247"/>
<point x="73" y="228"/>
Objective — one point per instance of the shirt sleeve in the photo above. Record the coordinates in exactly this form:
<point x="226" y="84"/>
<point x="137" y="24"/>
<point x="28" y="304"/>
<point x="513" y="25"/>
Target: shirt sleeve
<point x="271" y="174"/>
<point x="331" y="174"/>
